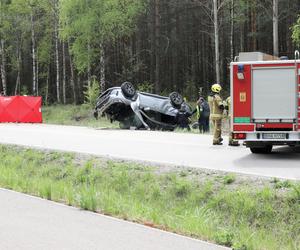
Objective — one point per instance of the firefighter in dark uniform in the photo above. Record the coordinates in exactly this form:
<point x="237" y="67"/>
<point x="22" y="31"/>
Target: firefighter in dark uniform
<point x="203" y="112"/>
<point x="216" y="106"/>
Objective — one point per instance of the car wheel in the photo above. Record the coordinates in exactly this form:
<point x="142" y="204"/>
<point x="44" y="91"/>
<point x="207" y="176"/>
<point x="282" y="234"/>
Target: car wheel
<point x="128" y="89"/>
<point x="263" y="150"/>
<point x="195" y="125"/>
<point x="176" y="99"/>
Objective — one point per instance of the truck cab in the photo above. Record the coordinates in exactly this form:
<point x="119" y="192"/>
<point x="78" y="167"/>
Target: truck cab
<point x="265" y="95"/>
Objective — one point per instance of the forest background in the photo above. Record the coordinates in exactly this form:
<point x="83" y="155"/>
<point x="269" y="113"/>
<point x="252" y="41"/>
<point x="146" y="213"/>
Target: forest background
<point x="59" y="49"/>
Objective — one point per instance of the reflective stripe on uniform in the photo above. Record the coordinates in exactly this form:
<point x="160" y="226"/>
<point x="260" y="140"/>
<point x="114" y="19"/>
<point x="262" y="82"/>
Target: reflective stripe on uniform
<point x="216" y="116"/>
<point x="228" y="104"/>
<point x="198" y="112"/>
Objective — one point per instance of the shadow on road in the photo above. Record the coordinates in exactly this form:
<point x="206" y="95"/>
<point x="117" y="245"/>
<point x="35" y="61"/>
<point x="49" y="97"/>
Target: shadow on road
<point x="286" y="149"/>
<point x="281" y="157"/>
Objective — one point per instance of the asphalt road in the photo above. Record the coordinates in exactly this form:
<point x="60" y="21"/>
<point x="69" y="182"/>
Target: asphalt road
<point x="181" y="149"/>
<point x="30" y="223"/>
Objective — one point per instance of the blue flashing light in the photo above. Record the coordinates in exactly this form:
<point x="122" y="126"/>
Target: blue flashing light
<point x="241" y="68"/>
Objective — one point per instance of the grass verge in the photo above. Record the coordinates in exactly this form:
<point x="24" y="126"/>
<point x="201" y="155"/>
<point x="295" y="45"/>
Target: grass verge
<point x="80" y="115"/>
<point x="236" y="211"/>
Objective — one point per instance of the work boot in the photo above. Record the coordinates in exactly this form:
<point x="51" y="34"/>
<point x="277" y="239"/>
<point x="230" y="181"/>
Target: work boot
<point x="217" y="143"/>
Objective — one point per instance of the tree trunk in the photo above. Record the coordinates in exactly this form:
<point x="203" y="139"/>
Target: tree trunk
<point x="64" y="73"/>
<point x="232" y="30"/>
<point x="174" y="68"/>
<point x="275" y="28"/>
<point x="151" y="28"/>
<point x="17" y="84"/>
<point x="56" y="53"/>
<point x="80" y="87"/>
<point x="102" y="69"/>
<point x="157" y="50"/>
<point x="89" y="66"/>
<point x="253" y="25"/>
<point x="216" y="32"/>
<point x="138" y="54"/>
<point x="174" y="35"/>
<point x="47" y="85"/>
<point x="33" y="55"/>
<point x="72" y="77"/>
<point x="242" y="43"/>
<point x="19" y="60"/>
<point x="37" y="73"/>
<point x="3" y="67"/>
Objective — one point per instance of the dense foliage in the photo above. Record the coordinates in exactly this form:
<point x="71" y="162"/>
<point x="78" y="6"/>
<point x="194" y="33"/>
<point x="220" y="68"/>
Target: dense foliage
<point x="56" y="48"/>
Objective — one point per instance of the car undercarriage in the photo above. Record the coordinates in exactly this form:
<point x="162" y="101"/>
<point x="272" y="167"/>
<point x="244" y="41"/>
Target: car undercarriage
<point x="139" y="110"/>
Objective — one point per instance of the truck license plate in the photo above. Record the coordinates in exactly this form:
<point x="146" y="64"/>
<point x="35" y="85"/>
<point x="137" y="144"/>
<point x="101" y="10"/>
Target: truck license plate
<point x="274" y="136"/>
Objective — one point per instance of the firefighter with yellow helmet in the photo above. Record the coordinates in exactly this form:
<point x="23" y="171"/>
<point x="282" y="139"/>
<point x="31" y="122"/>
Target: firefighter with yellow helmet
<point x="217" y="107"/>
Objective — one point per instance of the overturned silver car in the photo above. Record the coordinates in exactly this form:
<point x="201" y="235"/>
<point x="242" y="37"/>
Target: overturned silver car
<point x="141" y="110"/>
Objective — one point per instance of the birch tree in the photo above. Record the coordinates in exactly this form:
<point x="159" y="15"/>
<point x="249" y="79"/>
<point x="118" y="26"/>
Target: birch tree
<point x="3" y="66"/>
<point x="55" y="9"/>
<point x="64" y="73"/>
<point x="278" y="11"/>
<point x="33" y="52"/>
<point x="4" y="28"/>
<point x="212" y="9"/>
<point x="72" y="75"/>
<point x="91" y="25"/>
<point x="232" y="30"/>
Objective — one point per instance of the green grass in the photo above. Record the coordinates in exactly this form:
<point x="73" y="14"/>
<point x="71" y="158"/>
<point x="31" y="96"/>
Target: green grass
<point x="241" y="215"/>
<point x="80" y="115"/>
<point x="229" y="179"/>
<point x="281" y="184"/>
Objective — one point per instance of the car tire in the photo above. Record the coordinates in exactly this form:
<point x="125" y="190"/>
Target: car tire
<point x="262" y="150"/>
<point x="176" y="99"/>
<point x="128" y="89"/>
<point x="195" y="125"/>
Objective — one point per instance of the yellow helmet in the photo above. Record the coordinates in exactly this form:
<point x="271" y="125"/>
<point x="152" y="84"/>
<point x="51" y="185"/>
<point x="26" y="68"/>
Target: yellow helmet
<point x="216" y="88"/>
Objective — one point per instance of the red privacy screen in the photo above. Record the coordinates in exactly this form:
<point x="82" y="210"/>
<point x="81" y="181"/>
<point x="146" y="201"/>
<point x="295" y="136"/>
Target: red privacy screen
<point x="22" y="109"/>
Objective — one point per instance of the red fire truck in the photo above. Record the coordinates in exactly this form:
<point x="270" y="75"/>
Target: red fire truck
<point x="265" y="101"/>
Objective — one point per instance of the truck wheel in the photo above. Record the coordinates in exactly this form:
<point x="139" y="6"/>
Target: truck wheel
<point x="128" y="89"/>
<point x="262" y="150"/>
<point x="176" y="99"/>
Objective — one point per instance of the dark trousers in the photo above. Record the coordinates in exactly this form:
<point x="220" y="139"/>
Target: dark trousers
<point x="203" y="124"/>
<point x="183" y="121"/>
<point x="185" y="126"/>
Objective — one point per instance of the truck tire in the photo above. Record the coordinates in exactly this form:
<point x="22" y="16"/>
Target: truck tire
<point x="262" y="150"/>
<point x="128" y="89"/>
